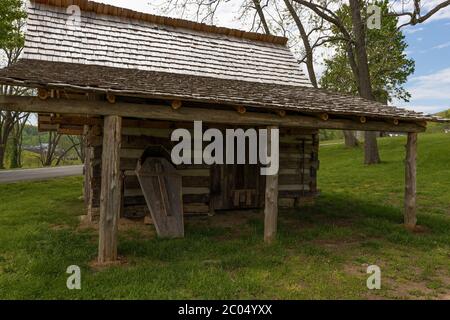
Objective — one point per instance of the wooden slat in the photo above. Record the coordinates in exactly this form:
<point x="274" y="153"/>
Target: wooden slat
<point x="271" y="202"/>
<point x="162" y="190"/>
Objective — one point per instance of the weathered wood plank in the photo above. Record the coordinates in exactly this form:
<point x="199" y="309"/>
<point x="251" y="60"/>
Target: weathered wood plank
<point x="161" y="112"/>
<point x="162" y="190"/>
<point x="271" y="202"/>
<point x="110" y="200"/>
<point x="410" y="181"/>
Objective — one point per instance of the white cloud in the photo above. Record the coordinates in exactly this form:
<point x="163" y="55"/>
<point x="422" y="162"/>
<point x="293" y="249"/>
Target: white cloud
<point x="412" y="30"/>
<point x="432" y="86"/>
<point x="442" y="45"/>
<point x="430" y="109"/>
<point x="429" y="93"/>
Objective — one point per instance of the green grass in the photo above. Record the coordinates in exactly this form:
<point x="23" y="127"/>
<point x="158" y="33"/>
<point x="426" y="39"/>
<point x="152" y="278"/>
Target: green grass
<point x="322" y="251"/>
<point x="31" y="160"/>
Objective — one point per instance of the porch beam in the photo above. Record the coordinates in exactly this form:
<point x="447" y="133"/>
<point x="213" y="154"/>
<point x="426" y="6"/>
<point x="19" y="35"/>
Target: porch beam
<point x="271" y="197"/>
<point x="111" y="188"/>
<point x="161" y="112"/>
<point x="410" y="181"/>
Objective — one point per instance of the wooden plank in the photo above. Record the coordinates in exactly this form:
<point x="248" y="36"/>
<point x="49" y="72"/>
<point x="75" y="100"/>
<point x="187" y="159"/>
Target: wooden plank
<point x="410" y="181"/>
<point x="286" y="202"/>
<point x="271" y="202"/>
<point x="111" y="189"/>
<point x="211" y="115"/>
<point x="161" y="186"/>
<point x="196" y="208"/>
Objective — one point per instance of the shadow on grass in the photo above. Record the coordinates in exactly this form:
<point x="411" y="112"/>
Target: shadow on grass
<point x="347" y="218"/>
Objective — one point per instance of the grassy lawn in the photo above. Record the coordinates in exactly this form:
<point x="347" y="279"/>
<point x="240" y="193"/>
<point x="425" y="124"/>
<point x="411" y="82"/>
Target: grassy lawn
<point x="322" y="251"/>
<point x="31" y="160"/>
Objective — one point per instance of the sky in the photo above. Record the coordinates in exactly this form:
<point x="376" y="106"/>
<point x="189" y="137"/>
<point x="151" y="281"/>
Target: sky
<point x="428" y="46"/>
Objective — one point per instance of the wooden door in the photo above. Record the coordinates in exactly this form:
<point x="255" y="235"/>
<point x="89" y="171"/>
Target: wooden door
<point x="161" y="185"/>
<point x="237" y="186"/>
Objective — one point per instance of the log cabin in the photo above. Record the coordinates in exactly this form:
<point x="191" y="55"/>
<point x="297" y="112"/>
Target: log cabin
<point x="125" y="80"/>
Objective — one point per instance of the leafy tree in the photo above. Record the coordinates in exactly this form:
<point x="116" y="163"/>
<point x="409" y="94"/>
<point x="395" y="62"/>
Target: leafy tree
<point x="388" y="72"/>
<point x="12" y="19"/>
<point x="11" y="12"/>
<point x="389" y="65"/>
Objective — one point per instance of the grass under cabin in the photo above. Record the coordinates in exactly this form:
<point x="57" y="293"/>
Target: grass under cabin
<point x="322" y="251"/>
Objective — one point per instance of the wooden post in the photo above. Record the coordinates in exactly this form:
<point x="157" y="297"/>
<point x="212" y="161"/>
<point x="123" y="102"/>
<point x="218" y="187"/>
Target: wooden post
<point x="111" y="188"/>
<point x="410" y="181"/>
<point x="271" y="202"/>
<point x="87" y="171"/>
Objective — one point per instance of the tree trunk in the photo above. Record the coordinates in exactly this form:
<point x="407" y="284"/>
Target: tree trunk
<point x="350" y="139"/>
<point x="364" y="83"/>
<point x="371" y="155"/>
<point x="14" y="153"/>
<point x="2" y="157"/>
<point x="308" y="50"/>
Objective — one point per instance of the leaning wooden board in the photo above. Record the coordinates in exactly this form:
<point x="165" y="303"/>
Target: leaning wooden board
<point x="161" y="185"/>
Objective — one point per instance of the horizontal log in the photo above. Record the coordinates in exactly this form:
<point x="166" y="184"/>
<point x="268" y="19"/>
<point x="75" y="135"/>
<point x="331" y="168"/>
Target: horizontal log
<point x="182" y="172"/>
<point x="161" y="112"/>
<point x="131" y="153"/>
<point x="157" y="133"/>
<point x="200" y="208"/>
<point x="293" y="179"/>
<point x="298" y="131"/>
<point x="136" y="211"/>
<point x="187" y="198"/>
<point x="286" y="202"/>
<point x="132" y="182"/>
<point x="294" y="187"/>
<point x="142" y="142"/>
<point x="186" y="190"/>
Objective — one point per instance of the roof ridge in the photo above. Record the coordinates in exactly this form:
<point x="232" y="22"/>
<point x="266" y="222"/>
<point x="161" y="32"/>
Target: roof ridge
<point x="105" y="9"/>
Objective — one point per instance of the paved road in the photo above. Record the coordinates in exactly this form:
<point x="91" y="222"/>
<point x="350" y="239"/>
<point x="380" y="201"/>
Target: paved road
<point x="8" y="176"/>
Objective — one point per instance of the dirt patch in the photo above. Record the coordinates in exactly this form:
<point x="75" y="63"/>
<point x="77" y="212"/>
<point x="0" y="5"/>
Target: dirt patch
<point x="59" y="227"/>
<point x="399" y="288"/>
<point x="421" y="230"/>
<point x="236" y="223"/>
<point x="234" y="218"/>
<point x="96" y="266"/>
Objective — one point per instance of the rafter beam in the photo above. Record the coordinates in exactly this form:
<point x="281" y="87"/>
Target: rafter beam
<point x="161" y="112"/>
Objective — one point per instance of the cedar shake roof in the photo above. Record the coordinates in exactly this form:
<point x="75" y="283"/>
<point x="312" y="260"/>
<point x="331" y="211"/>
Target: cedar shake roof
<point x="123" y="42"/>
<point x="163" y="85"/>
<point x="123" y="52"/>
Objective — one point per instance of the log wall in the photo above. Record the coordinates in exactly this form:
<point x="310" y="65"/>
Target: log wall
<point x="297" y="176"/>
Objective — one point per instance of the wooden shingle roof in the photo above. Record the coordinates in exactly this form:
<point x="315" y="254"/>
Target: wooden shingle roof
<point x="158" y="44"/>
<point x="163" y="85"/>
<point x="123" y="52"/>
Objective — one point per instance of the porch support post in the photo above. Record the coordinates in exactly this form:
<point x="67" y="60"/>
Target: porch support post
<point x="111" y="188"/>
<point x="271" y="198"/>
<point x="410" y="182"/>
